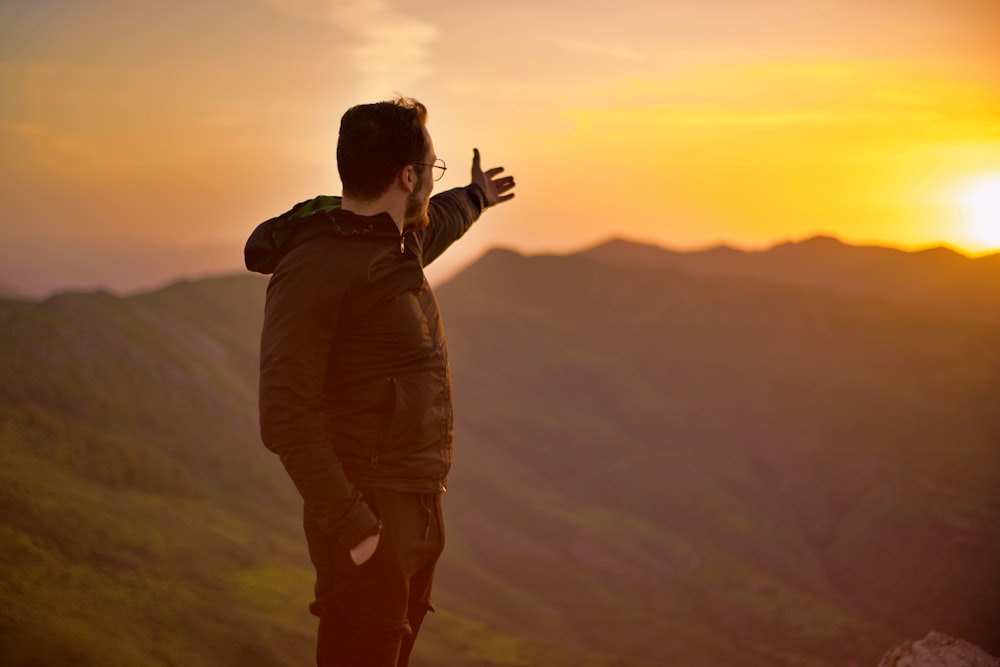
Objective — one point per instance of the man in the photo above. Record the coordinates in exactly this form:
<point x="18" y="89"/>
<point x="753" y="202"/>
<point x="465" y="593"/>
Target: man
<point x="355" y="389"/>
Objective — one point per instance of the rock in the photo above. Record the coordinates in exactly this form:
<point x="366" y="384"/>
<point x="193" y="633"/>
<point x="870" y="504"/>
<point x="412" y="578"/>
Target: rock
<point x="938" y="650"/>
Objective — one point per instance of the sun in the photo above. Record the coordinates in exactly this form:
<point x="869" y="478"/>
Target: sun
<point x="981" y="202"/>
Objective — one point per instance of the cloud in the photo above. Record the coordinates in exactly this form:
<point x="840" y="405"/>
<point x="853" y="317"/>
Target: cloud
<point x="609" y="52"/>
<point x="388" y="50"/>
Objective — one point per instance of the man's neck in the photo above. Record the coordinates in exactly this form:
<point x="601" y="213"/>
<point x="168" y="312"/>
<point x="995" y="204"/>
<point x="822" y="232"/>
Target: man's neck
<point x="392" y="205"/>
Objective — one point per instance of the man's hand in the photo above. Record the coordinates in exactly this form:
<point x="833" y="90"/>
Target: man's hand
<point x="364" y="549"/>
<point x="497" y="189"/>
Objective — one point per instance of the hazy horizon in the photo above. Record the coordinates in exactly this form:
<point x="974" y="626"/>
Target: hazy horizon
<point x="133" y="275"/>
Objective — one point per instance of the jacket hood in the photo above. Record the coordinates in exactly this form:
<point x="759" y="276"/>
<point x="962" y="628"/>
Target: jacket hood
<point x="275" y="238"/>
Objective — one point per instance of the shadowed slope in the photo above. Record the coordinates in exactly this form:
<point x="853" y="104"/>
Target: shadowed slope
<point x="700" y="470"/>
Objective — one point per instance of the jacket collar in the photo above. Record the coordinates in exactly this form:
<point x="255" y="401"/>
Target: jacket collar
<point x="274" y="238"/>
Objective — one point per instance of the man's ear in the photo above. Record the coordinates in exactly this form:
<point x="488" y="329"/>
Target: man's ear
<point x="408" y="178"/>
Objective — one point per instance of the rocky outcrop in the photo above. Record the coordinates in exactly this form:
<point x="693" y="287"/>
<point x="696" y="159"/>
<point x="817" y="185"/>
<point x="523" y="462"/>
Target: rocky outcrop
<point x="938" y="650"/>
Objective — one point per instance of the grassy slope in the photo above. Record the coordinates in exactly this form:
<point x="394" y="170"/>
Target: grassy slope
<point x="142" y="521"/>
<point x="114" y="573"/>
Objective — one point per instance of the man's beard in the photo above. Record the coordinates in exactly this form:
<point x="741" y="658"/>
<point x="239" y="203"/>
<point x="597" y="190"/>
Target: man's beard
<point x="415" y="216"/>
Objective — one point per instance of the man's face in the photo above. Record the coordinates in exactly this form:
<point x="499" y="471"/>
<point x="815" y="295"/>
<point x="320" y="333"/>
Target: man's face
<point x="415" y="216"/>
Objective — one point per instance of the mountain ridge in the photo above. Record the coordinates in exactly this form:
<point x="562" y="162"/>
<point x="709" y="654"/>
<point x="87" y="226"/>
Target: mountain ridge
<point x="938" y="277"/>
<point x="651" y="465"/>
<point x="697" y="301"/>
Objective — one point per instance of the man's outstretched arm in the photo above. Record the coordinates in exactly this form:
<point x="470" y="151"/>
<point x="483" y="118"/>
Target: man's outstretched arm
<point x="452" y="212"/>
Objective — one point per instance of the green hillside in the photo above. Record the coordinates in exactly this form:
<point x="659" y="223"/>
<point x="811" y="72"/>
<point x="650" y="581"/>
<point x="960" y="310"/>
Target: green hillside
<point x="652" y="466"/>
<point x="142" y="521"/>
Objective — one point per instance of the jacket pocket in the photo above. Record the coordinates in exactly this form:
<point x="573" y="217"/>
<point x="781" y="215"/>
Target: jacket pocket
<point x="387" y="414"/>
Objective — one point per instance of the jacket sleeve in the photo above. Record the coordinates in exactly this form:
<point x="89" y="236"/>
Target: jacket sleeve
<point x="304" y="297"/>
<point x="451" y="214"/>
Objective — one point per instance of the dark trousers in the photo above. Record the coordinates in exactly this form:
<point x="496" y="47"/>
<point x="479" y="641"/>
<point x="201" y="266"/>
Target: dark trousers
<point x="369" y="614"/>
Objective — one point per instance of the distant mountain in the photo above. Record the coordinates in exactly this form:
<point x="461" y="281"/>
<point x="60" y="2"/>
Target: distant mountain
<point x="709" y="470"/>
<point x="938" y="277"/>
<point x="9" y="291"/>
<point x="653" y="466"/>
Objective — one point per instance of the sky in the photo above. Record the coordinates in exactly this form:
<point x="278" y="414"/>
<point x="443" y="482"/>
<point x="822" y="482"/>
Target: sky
<point x="141" y="142"/>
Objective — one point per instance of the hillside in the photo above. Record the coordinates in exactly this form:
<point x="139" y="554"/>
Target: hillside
<point x="938" y="278"/>
<point x="142" y="521"/>
<point x="744" y="473"/>
<point x="653" y="464"/>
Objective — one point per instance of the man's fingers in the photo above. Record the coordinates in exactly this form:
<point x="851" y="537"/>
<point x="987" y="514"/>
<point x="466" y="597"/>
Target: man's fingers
<point x="495" y="186"/>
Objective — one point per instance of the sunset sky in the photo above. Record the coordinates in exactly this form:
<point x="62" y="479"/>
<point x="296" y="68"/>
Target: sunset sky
<point x="141" y="141"/>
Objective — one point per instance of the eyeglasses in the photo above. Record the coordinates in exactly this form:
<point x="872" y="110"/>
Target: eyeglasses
<point x="438" y="166"/>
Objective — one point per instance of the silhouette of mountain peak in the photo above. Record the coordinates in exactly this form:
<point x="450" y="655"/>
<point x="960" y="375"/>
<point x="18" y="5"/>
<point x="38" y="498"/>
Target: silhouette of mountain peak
<point x="938" y="277"/>
<point x="821" y="241"/>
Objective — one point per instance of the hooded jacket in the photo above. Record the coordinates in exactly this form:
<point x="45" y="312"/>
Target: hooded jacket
<point x="355" y="388"/>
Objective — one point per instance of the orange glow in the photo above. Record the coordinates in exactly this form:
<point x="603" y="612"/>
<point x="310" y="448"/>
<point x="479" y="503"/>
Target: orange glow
<point x="834" y="148"/>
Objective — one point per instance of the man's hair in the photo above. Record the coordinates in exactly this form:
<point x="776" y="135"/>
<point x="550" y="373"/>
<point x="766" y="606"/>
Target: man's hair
<point x="376" y="141"/>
